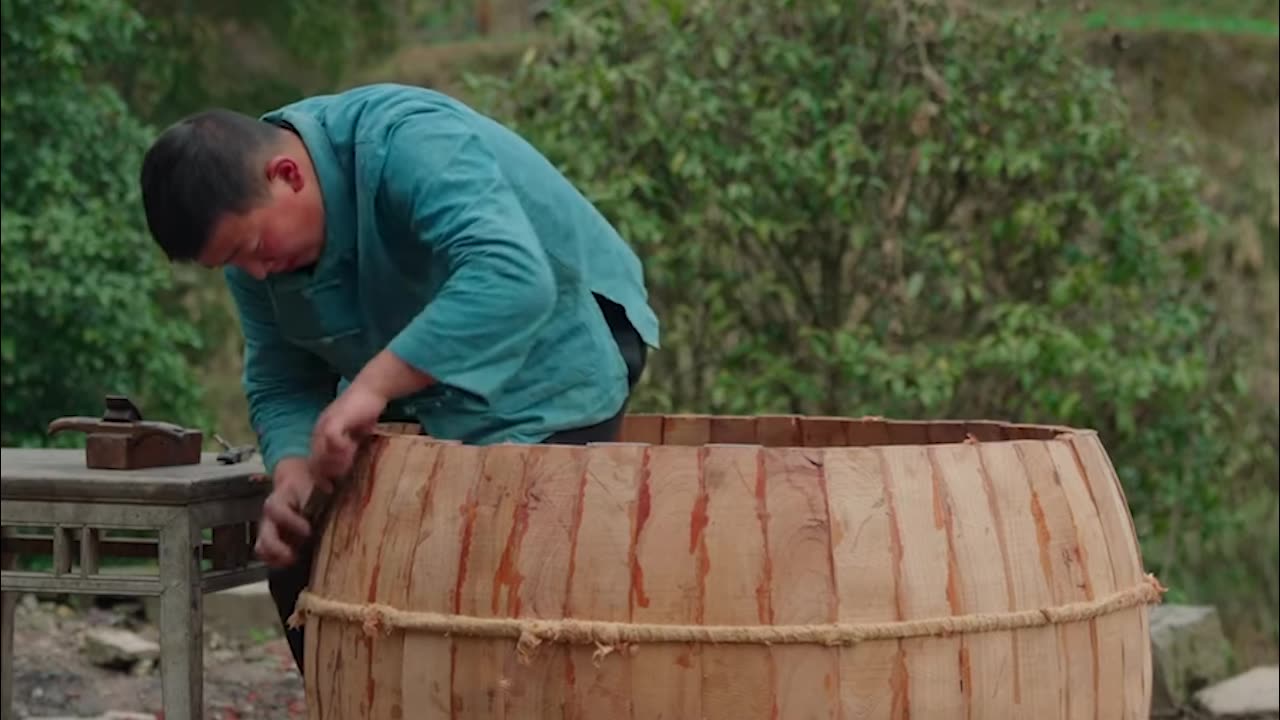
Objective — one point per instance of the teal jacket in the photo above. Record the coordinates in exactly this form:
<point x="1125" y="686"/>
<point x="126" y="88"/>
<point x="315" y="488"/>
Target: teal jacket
<point x="455" y="244"/>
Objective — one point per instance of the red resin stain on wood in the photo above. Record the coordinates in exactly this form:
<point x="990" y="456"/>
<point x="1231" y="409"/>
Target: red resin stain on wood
<point x="698" y="521"/>
<point x="644" y="501"/>
<point x="377" y="450"/>
<point x="604" y="549"/>
<point x="570" y="677"/>
<point x="697" y="541"/>
<point x="943" y="520"/>
<point x="763" y="605"/>
<point x="901" y="688"/>
<point x="666" y="679"/>
<point x="1065" y="581"/>
<point x="570" y="673"/>
<point x="901" y="681"/>
<point x="1042" y="536"/>
<point x="575" y="528"/>
<point x="994" y="509"/>
<point x="1086" y="584"/>
<point x="468" y="510"/>
<point x="508" y="575"/>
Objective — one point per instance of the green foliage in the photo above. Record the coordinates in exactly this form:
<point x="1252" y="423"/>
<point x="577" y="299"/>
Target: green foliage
<point x="893" y="209"/>
<point x="84" y="289"/>
<point x="249" y="55"/>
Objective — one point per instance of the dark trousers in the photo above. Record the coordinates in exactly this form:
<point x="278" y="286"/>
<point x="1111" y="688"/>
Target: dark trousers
<point x="286" y="584"/>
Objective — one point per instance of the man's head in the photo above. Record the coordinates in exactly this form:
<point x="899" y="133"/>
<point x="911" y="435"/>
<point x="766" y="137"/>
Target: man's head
<point x="221" y="188"/>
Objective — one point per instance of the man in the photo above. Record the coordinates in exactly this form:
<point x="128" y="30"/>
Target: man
<point x="394" y="254"/>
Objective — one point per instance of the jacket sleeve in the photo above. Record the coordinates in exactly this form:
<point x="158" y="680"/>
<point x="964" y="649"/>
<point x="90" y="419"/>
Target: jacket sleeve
<point x="444" y="184"/>
<point x="286" y="387"/>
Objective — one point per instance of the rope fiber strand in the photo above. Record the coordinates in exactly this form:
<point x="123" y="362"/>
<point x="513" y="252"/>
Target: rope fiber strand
<point x="529" y="633"/>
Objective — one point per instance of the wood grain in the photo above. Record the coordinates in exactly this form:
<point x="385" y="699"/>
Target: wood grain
<point x="668" y="570"/>
<point x="873" y="679"/>
<point x="801" y="586"/>
<point x="600" y="577"/>
<point x="737" y="682"/>
<point x="478" y="680"/>
<point x="699" y="519"/>
<point x="441" y="541"/>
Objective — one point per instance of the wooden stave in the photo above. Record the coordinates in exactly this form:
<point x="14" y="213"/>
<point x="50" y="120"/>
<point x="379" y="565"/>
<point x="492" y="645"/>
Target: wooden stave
<point x="854" y="675"/>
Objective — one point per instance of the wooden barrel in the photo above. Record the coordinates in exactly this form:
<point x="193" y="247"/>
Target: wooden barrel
<point x="737" y="568"/>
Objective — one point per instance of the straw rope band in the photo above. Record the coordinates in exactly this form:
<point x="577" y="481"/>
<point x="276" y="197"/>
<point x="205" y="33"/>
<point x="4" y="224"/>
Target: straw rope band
<point x="531" y="632"/>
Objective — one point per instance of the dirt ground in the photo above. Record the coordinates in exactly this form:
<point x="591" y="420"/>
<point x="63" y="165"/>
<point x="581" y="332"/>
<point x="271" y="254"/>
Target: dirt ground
<point x="53" y="677"/>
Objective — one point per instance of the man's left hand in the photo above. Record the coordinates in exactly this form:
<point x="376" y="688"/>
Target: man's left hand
<point x="342" y="425"/>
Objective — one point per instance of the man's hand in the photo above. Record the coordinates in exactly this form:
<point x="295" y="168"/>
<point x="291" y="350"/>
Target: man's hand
<point x="284" y="528"/>
<point x="351" y="417"/>
<point x="340" y="428"/>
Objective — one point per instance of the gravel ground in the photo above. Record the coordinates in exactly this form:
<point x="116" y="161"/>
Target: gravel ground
<point x="53" y="677"/>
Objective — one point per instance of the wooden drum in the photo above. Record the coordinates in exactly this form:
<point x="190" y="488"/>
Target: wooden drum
<point x="737" y="568"/>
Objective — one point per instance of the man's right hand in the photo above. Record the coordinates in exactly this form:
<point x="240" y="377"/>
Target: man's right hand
<point x="284" y="528"/>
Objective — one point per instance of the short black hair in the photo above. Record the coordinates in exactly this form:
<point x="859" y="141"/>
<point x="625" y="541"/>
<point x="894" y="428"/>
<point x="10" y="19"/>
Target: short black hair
<point x="199" y="170"/>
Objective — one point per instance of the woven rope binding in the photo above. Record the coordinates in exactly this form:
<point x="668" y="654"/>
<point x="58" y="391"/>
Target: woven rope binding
<point x="529" y="633"/>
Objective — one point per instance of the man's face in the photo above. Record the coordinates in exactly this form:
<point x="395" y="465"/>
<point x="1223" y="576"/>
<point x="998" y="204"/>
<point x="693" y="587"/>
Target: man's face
<point x="281" y="235"/>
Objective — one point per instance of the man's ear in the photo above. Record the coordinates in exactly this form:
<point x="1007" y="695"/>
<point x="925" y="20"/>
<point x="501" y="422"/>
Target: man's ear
<point x="283" y="167"/>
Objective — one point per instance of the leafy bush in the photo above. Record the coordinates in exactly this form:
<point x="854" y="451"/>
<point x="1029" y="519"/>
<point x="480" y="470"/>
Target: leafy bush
<point x="84" y="297"/>
<point x="894" y="209"/>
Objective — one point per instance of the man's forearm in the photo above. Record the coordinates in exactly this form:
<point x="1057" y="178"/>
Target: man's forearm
<point x="389" y="377"/>
<point x="283" y="415"/>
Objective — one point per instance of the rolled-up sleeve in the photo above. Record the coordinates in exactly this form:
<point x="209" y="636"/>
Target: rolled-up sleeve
<point x="449" y="190"/>
<point x="286" y="387"/>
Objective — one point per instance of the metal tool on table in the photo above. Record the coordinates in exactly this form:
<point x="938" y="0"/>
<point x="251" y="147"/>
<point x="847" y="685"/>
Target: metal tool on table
<point x="230" y="454"/>
<point x="122" y="440"/>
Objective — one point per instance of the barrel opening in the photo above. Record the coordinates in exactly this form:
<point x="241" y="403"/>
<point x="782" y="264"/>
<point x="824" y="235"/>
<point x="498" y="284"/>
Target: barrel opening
<point x="816" y="432"/>
<point x="778" y="431"/>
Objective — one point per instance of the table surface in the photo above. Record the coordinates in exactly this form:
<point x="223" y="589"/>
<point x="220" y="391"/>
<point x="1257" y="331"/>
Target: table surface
<point x="61" y="475"/>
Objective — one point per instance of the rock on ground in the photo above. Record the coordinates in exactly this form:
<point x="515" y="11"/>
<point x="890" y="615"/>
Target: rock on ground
<point x="118" y="648"/>
<point x="53" y="677"/>
<point x="1189" y="651"/>
<point x="242" y="613"/>
<point x="1254" y="695"/>
<point x="113" y="715"/>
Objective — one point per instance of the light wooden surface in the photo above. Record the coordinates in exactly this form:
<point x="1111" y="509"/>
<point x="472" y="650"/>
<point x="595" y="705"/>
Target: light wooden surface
<point x="744" y="521"/>
<point x="61" y="475"/>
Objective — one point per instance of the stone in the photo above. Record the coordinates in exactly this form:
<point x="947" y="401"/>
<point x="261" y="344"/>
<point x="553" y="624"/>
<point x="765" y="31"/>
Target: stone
<point x="143" y="667"/>
<point x="243" y="614"/>
<point x="112" y="715"/>
<point x="1189" y="651"/>
<point x="1254" y="695"/>
<point x="116" y="648"/>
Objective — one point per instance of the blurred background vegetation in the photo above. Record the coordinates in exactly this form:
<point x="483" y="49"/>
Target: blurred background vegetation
<point x="916" y="209"/>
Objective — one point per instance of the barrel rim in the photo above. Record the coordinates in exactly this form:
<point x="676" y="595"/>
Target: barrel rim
<point x="798" y="431"/>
